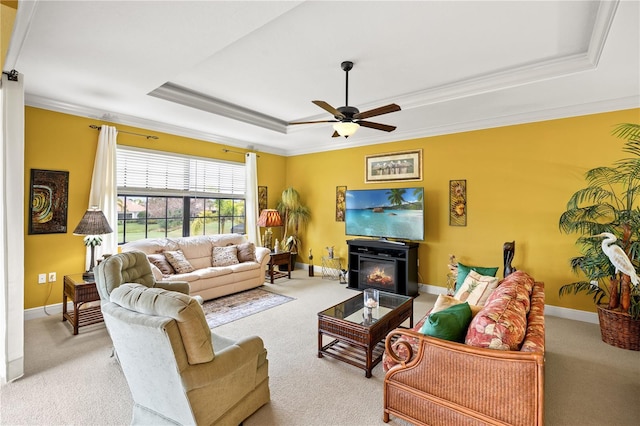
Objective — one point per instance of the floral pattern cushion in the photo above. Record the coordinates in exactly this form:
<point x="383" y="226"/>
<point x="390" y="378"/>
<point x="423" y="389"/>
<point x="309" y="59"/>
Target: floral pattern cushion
<point x="502" y="323"/>
<point x="534" y="340"/>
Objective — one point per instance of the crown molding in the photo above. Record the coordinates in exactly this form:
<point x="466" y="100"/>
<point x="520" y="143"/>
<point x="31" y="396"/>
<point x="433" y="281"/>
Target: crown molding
<point x="467" y="126"/>
<point x="142" y="123"/>
<point x="183" y="96"/>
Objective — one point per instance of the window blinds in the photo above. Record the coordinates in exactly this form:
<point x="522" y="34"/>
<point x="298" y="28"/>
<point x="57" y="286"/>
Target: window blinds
<point x="152" y="172"/>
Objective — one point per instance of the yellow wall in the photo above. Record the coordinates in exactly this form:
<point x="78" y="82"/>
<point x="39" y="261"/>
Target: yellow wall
<point x="519" y="179"/>
<point x="8" y="10"/>
<point x="57" y="141"/>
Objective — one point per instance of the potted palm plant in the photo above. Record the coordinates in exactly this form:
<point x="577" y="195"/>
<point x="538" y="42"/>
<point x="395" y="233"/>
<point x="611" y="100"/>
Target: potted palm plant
<point x="609" y="204"/>
<point x="295" y="216"/>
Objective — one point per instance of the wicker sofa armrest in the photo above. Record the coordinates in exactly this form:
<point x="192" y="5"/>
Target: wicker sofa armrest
<point x="452" y="383"/>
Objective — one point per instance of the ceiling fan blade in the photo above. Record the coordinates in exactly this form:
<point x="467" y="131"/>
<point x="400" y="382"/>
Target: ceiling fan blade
<point x="325" y="106"/>
<point x="377" y="126"/>
<point x="378" y="111"/>
<point x="335" y="134"/>
<point x="314" y="122"/>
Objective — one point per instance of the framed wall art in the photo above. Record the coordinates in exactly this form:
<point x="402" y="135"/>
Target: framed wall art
<point x="458" y="202"/>
<point x="48" y="201"/>
<point x="394" y="167"/>
<point x="341" y="193"/>
<point x="262" y="198"/>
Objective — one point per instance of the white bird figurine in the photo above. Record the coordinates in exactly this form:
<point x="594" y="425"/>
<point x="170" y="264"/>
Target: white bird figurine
<point x="618" y="257"/>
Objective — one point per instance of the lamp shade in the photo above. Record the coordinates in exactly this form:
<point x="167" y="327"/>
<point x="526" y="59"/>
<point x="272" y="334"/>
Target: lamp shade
<point x="93" y="223"/>
<point x="346" y="128"/>
<point x="269" y="218"/>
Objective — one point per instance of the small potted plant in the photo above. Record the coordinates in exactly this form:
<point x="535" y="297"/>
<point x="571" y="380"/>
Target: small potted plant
<point x="609" y="204"/>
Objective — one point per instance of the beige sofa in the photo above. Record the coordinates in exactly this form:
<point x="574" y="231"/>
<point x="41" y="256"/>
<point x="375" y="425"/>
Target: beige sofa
<point x="207" y="280"/>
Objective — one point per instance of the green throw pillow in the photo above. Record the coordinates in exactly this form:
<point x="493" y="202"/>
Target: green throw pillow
<point x="463" y="271"/>
<point x="449" y="324"/>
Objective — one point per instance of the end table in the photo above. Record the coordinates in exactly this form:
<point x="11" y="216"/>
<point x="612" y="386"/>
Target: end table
<point x="282" y="258"/>
<point x="80" y="292"/>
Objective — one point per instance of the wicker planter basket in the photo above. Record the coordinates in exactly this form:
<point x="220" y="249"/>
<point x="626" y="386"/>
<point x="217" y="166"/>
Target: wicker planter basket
<point x="618" y="329"/>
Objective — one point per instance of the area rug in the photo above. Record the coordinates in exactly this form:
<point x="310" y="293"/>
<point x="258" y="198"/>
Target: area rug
<point x="226" y="309"/>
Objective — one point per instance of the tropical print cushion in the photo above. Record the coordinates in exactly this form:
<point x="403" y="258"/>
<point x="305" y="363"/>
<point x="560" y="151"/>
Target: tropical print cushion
<point x="476" y="288"/>
<point x="534" y="340"/>
<point x="502" y="323"/>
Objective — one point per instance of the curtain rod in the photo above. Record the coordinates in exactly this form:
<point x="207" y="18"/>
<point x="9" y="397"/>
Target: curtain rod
<point x="93" y="126"/>
<point x="236" y="152"/>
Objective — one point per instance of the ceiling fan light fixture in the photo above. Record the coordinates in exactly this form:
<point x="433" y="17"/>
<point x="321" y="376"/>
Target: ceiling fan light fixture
<point x="346" y="128"/>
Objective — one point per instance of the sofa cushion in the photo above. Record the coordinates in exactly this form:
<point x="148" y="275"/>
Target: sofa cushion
<point x="502" y="323"/>
<point x="246" y="252"/>
<point x="449" y="324"/>
<point x="160" y="261"/>
<point x="463" y="271"/>
<point x="179" y="262"/>
<point x="224" y="256"/>
<point x="476" y="288"/>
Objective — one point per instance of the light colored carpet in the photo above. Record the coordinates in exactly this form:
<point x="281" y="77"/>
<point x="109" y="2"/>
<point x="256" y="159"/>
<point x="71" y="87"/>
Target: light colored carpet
<point x="71" y="380"/>
<point x="227" y="309"/>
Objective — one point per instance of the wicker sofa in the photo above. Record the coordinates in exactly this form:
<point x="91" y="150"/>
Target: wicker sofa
<point x="437" y="382"/>
<point x="207" y="279"/>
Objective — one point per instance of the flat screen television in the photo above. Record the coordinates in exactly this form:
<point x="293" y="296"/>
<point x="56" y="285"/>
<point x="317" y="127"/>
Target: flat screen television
<point x="385" y="213"/>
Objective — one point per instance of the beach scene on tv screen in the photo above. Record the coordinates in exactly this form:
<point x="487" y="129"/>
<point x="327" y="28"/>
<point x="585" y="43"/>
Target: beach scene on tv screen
<point x="386" y="213"/>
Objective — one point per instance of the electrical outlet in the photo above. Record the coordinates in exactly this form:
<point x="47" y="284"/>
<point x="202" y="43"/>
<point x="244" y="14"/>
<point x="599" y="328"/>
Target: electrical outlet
<point x="52" y="277"/>
<point x="42" y="278"/>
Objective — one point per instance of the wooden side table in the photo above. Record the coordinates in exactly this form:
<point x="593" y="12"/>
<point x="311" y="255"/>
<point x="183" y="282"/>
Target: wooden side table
<point x="80" y="292"/>
<point x="282" y="258"/>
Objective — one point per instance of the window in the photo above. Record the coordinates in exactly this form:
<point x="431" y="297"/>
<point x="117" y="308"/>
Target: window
<point x="163" y="195"/>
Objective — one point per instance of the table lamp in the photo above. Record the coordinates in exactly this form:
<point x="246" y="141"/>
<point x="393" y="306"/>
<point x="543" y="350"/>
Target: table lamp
<point x="269" y="218"/>
<point x="92" y="225"/>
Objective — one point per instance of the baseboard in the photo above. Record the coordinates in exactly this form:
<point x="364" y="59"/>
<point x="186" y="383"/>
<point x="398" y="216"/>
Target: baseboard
<point x="556" y="311"/>
<point x="44" y="311"/>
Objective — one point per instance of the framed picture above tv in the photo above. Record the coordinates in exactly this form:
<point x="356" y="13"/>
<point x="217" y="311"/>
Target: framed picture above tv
<point x="394" y="167"/>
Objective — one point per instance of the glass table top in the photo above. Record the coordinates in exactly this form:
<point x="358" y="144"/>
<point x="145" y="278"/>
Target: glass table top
<point x="353" y="309"/>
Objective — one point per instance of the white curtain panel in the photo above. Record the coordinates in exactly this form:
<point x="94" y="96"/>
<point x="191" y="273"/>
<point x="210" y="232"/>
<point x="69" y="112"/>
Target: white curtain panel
<point x="12" y="214"/>
<point x="251" y="200"/>
<point x="104" y="189"/>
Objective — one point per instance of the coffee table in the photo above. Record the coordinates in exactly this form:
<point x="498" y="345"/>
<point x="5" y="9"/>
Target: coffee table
<point x="358" y="337"/>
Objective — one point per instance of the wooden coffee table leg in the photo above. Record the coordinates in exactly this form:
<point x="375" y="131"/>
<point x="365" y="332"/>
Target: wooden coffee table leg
<point x="319" y="345"/>
<point x="367" y="370"/>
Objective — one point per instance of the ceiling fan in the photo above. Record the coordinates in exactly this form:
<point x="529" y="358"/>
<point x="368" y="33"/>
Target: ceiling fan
<point x="348" y="118"/>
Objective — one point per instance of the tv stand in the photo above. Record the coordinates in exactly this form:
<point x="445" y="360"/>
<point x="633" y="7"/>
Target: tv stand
<point x="399" y="257"/>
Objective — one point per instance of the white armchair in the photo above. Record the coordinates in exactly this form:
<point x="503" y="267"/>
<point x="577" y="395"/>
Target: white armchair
<point x="178" y="371"/>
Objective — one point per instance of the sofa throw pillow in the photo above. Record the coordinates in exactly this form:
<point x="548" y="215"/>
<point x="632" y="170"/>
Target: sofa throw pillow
<point x="449" y="324"/>
<point x="443" y="302"/>
<point x="161" y="262"/>
<point x="476" y="288"/>
<point x="179" y="262"/>
<point x="463" y="271"/>
<point x="224" y="256"/>
<point x="502" y="323"/>
<point x="246" y="252"/>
